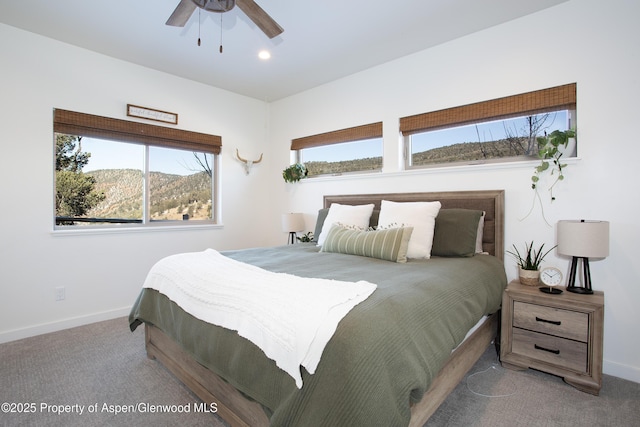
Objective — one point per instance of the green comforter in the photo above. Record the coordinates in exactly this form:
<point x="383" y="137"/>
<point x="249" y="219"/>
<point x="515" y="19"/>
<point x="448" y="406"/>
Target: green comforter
<point x="384" y="353"/>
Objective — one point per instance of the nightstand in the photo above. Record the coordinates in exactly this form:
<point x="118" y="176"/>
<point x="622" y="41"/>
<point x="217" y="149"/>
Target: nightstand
<point x="560" y="334"/>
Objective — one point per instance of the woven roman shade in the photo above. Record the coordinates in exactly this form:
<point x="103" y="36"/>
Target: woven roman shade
<point x="82" y="124"/>
<point x="530" y="103"/>
<point x="373" y="130"/>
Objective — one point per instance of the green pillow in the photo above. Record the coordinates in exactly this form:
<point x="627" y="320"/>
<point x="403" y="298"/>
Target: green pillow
<point x="387" y="244"/>
<point x="455" y="232"/>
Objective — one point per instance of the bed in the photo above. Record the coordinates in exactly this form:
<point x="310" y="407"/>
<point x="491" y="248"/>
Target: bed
<point x="381" y="366"/>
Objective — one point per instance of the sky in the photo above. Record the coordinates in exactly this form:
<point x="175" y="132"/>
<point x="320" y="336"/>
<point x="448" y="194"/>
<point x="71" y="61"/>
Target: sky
<point x="481" y="132"/>
<point x="344" y="151"/>
<point x="117" y="155"/>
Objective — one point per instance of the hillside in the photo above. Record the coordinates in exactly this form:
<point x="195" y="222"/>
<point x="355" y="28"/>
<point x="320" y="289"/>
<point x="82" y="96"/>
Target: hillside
<point x="466" y="151"/>
<point x="172" y="196"/>
<point x="470" y="151"/>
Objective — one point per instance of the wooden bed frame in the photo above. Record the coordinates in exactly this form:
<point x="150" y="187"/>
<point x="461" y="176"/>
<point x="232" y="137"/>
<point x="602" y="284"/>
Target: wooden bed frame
<point x="238" y="410"/>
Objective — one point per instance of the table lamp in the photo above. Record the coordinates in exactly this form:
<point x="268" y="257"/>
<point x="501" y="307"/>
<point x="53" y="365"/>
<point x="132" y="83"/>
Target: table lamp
<point x="582" y="239"/>
<point x="292" y="223"/>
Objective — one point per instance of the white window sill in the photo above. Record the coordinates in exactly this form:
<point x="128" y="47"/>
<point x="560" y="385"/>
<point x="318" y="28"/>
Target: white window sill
<point x="471" y="167"/>
<point x="87" y="231"/>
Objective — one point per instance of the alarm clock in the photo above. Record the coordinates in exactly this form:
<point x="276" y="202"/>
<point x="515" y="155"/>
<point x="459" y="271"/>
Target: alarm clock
<point x="550" y="277"/>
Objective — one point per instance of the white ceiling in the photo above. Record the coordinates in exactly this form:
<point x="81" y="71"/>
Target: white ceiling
<point x="322" y="41"/>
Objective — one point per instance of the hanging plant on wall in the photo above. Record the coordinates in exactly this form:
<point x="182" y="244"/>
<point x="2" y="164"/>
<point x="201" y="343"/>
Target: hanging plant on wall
<point x="550" y="153"/>
<point x="551" y="148"/>
<point x="294" y="173"/>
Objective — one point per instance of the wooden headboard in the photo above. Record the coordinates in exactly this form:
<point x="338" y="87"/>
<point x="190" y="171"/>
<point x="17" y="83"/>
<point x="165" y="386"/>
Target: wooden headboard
<point x="489" y="201"/>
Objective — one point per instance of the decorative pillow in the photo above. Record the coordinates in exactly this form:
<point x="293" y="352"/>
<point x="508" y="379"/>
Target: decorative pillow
<point x="419" y="215"/>
<point x="373" y="221"/>
<point x="322" y="215"/>
<point x="355" y="215"/>
<point x="388" y="244"/>
<point x="455" y="233"/>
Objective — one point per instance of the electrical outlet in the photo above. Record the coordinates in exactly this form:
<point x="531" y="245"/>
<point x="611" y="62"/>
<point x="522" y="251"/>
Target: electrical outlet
<point x="59" y="293"/>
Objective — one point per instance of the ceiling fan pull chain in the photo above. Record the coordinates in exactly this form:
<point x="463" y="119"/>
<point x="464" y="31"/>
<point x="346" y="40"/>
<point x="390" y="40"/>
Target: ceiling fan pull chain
<point x="198" y="27"/>
<point x="221" y="33"/>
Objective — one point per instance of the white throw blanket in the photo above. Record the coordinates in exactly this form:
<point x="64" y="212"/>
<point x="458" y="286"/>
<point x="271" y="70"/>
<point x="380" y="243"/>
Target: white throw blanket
<point x="289" y="317"/>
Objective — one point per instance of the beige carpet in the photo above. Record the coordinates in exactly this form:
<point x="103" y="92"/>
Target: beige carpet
<point x="103" y="368"/>
<point x="491" y="395"/>
<point x="104" y="364"/>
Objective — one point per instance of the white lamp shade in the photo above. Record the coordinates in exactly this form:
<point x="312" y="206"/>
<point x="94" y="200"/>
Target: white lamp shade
<point x="583" y="238"/>
<point x="292" y="222"/>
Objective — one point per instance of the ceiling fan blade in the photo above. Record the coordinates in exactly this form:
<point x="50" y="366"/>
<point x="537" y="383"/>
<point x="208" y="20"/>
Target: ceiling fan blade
<point x="182" y="13"/>
<point x="260" y="18"/>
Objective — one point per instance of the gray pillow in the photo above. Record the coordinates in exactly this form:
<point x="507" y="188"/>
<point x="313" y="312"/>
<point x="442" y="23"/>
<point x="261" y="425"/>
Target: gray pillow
<point x="322" y="215"/>
<point x="455" y="232"/>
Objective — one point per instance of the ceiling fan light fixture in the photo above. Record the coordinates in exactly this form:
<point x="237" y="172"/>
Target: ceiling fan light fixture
<point x="218" y="6"/>
<point x="264" y="54"/>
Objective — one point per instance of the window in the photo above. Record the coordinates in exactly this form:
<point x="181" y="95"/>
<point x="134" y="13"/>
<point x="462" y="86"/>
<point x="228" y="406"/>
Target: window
<point x="111" y="171"/>
<point x="180" y="185"/>
<point x="504" y="129"/>
<point x="357" y="149"/>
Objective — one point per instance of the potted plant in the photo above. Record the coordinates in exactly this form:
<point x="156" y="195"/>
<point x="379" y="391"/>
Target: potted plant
<point x="529" y="262"/>
<point x="295" y="172"/>
<point x="305" y="238"/>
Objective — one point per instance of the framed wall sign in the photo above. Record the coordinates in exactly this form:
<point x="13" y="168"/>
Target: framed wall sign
<point x="151" y="114"/>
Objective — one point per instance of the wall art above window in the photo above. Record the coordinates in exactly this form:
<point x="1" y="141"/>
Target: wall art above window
<point x="152" y="114"/>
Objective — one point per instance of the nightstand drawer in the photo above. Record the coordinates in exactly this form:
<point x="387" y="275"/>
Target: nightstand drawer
<point x="547" y="348"/>
<point x="563" y="323"/>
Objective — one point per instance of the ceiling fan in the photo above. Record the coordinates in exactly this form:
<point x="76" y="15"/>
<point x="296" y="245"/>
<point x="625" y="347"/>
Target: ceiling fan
<point x="185" y="9"/>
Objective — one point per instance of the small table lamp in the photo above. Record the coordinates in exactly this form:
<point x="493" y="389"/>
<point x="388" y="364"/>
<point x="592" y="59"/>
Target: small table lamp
<point x="291" y="223"/>
<point x="582" y="239"/>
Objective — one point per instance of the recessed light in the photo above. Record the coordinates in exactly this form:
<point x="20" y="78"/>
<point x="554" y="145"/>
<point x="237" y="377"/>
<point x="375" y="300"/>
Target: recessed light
<point x="264" y="54"/>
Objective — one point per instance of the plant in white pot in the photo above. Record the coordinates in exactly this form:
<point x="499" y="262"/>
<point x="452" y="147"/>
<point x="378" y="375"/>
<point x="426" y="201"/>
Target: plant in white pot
<point x="529" y="262"/>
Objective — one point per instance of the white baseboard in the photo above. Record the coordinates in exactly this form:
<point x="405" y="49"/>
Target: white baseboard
<point x="631" y="373"/>
<point x="45" y="328"/>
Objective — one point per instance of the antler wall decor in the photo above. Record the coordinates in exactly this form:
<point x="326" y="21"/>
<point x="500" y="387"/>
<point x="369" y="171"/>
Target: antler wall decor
<point x="248" y="164"/>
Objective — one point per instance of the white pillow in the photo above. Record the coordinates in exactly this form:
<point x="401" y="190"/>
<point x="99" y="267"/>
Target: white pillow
<point x="480" y="234"/>
<point x="419" y="215"/>
<point x="350" y="215"/>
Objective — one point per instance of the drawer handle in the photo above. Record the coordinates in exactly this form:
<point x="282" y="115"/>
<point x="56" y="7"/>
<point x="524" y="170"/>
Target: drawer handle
<point x="537" y="347"/>
<point x="554" y="322"/>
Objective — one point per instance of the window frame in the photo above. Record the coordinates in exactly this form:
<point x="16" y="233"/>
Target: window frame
<point x="125" y="131"/>
<point x="521" y="105"/>
<point x="371" y="131"/>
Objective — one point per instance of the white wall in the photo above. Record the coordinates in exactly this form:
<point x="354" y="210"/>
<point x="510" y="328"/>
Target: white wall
<point x="586" y="41"/>
<point x="102" y="273"/>
<point x="589" y="42"/>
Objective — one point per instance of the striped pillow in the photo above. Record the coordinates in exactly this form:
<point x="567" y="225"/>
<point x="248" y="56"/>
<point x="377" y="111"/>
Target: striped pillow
<point x="388" y="244"/>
